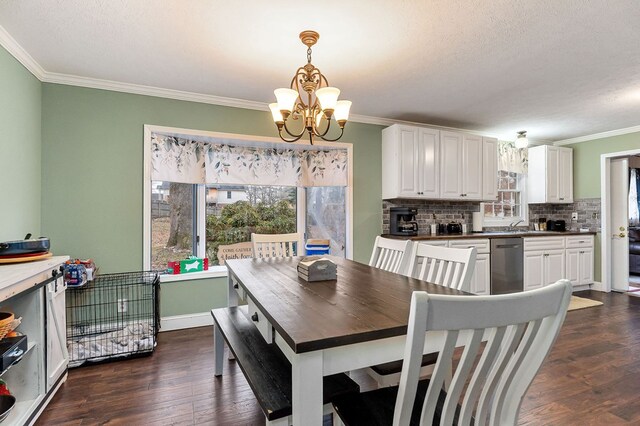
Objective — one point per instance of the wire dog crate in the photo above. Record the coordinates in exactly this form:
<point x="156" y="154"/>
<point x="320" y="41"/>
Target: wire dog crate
<point x="115" y="316"/>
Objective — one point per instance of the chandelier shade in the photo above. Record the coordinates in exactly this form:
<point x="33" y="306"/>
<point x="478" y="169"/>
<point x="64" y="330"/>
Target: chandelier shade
<point x="300" y="109"/>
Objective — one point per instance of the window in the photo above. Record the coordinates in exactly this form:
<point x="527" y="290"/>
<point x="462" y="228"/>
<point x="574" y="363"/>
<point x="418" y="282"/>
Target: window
<point x="255" y="209"/>
<point x="262" y="187"/>
<point x="510" y="205"/>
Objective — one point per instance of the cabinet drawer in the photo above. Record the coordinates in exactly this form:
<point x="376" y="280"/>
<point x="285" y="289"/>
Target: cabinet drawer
<point x="579" y="241"/>
<point x="481" y="245"/>
<point x="238" y="288"/>
<point x="438" y="243"/>
<point x="543" y="243"/>
<point x="260" y="321"/>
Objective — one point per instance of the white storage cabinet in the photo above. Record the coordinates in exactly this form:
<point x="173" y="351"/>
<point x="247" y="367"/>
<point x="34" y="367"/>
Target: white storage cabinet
<point x="580" y="259"/>
<point x="481" y="278"/>
<point x="410" y="162"/>
<point x="35" y="378"/>
<point x="550" y="178"/>
<point x="544" y="261"/>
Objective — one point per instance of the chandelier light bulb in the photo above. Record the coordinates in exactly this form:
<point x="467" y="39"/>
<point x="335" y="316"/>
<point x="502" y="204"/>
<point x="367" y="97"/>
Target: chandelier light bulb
<point x="286" y="99"/>
<point x="328" y="97"/>
<point x="275" y="112"/>
<point x="341" y="112"/>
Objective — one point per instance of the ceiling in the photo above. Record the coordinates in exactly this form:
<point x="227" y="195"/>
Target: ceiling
<point x="559" y="69"/>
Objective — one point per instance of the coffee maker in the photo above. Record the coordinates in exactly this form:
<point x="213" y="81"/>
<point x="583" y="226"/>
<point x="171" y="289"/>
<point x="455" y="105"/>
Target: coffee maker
<point x="403" y="221"/>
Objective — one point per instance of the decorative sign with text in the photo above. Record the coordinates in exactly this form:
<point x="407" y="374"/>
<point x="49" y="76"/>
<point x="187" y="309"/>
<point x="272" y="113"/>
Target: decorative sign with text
<point x="235" y="251"/>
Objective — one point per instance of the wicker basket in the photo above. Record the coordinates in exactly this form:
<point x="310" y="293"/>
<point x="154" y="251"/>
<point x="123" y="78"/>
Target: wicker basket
<point x="6" y="323"/>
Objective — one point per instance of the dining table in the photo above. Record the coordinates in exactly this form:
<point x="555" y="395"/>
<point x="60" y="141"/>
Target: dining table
<point x="326" y="327"/>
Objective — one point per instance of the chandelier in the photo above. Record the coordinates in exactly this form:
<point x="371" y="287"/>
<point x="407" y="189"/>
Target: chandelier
<point x="309" y="99"/>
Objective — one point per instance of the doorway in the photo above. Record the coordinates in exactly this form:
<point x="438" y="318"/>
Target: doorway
<point x="618" y="266"/>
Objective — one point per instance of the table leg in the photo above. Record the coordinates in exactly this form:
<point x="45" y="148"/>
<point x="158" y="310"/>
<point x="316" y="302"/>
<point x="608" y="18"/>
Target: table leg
<point x="307" y="389"/>
<point x="232" y="300"/>
<point x="218" y="350"/>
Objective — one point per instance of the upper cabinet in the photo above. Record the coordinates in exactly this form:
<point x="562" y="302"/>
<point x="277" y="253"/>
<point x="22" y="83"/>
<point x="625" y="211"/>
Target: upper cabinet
<point x="410" y="166"/>
<point x="489" y="169"/>
<point x="550" y="178"/>
<point x="425" y="163"/>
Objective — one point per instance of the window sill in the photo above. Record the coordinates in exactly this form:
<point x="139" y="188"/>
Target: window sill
<point x="214" y="272"/>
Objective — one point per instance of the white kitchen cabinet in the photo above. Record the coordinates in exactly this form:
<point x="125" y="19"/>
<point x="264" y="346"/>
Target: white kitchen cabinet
<point x="410" y="162"/>
<point x="544" y="261"/>
<point x="460" y="166"/>
<point x="533" y="269"/>
<point x="489" y="169"/>
<point x="481" y="278"/>
<point x="550" y="178"/>
<point x="580" y="260"/>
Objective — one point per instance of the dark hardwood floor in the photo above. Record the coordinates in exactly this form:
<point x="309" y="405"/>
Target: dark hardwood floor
<point x="592" y="377"/>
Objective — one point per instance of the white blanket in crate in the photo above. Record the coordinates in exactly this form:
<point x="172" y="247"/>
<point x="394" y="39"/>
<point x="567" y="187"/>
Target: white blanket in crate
<point x="97" y="346"/>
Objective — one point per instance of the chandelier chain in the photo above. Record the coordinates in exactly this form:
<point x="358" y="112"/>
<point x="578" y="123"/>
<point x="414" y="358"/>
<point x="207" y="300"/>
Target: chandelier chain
<point x="309" y="55"/>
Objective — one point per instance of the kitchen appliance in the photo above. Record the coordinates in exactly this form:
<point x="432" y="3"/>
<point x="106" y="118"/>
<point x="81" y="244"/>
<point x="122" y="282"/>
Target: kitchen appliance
<point x="454" y="228"/>
<point x="26" y="246"/>
<point x="507" y="274"/>
<point x="556" y="225"/>
<point x="402" y="221"/>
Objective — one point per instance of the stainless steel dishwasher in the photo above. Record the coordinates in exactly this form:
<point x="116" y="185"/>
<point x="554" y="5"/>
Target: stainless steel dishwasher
<point x="506" y="265"/>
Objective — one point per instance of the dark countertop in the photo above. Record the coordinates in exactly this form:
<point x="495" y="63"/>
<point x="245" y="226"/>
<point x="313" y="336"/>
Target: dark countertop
<point x="489" y="234"/>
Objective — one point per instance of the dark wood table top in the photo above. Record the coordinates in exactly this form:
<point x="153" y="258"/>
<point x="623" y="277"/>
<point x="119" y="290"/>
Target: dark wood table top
<point x="363" y="304"/>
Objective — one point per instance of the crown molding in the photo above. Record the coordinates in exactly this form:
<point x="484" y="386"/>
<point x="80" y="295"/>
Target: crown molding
<point x="138" y="89"/>
<point x="601" y="135"/>
<point x="12" y="46"/>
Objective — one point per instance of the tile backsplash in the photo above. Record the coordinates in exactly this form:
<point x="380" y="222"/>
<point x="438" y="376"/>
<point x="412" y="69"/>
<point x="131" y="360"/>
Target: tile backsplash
<point x="436" y="211"/>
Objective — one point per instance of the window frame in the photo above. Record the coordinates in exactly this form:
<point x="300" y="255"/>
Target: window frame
<point x="507" y="221"/>
<point x="200" y="213"/>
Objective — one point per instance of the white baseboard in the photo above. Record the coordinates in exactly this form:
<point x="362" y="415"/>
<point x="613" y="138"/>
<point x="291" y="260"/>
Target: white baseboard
<point x="597" y="286"/>
<point x="581" y="287"/>
<point x="180" y="322"/>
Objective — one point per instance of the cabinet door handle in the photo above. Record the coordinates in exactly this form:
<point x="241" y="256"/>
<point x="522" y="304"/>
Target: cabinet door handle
<point x="254" y="317"/>
<point x="235" y="286"/>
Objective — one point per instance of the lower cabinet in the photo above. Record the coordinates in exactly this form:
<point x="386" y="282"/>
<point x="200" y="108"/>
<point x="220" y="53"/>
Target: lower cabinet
<point x="544" y="261"/>
<point x="580" y="266"/>
<point x="481" y="279"/>
<point x="57" y="355"/>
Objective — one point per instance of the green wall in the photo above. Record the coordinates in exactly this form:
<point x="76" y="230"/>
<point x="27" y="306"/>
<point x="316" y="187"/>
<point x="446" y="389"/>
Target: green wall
<point x="586" y="173"/>
<point x="586" y="161"/>
<point x="92" y="148"/>
<point x="20" y="105"/>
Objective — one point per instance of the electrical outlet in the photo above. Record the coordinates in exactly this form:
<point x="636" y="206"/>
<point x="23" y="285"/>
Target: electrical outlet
<point x="122" y="305"/>
<point x="574" y="216"/>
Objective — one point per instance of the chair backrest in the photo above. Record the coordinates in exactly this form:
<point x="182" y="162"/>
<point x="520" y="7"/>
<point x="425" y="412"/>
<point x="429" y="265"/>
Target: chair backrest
<point x="275" y="245"/>
<point x="519" y="329"/>
<point x="390" y="255"/>
<point x="450" y="267"/>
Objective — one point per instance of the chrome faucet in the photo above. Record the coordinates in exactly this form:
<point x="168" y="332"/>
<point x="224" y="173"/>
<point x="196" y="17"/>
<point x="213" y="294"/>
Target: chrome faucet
<point x="512" y="226"/>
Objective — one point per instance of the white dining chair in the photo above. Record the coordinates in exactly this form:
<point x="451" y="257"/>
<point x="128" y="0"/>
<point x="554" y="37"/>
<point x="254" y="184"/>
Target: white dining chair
<point x="390" y="255"/>
<point x="449" y="267"/>
<point x="490" y="379"/>
<point x="275" y="245"/>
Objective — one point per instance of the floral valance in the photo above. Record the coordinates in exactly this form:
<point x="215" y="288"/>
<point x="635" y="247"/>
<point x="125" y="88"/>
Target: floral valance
<point x="512" y="159"/>
<point x="177" y="159"/>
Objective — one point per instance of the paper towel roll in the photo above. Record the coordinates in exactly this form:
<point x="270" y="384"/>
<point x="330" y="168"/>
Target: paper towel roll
<point x="477" y="222"/>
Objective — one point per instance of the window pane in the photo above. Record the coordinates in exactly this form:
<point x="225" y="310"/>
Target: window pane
<point x="326" y="217"/>
<point x="234" y="212"/>
<point x="171" y="222"/>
